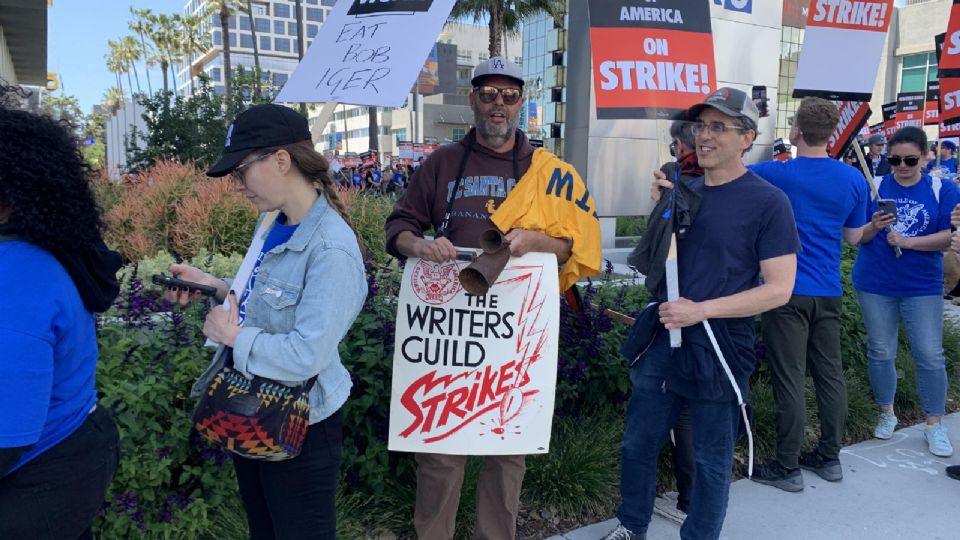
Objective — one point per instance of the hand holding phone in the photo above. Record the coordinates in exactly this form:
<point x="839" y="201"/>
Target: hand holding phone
<point x="889" y="207"/>
<point x="183" y="285"/>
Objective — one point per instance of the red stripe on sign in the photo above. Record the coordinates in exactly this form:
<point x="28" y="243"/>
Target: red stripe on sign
<point x="853" y="115"/>
<point x="949" y="99"/>
<point x="931" y="114"/>
<point x="651" y="68"/>
<point x="872" y="15"/>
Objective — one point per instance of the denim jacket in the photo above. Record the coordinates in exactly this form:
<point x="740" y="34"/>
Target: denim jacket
<point x="306" y="296"/>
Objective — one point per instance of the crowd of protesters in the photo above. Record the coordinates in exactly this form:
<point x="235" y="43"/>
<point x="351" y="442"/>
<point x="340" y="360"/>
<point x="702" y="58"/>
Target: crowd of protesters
<point x="283" y="320"/>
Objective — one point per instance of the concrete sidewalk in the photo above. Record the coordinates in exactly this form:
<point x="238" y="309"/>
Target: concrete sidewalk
<point x="891" y="490"/>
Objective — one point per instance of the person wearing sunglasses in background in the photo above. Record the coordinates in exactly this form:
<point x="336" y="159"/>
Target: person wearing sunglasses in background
<point x="898" y="275"/>
<point x="456" y="191"/>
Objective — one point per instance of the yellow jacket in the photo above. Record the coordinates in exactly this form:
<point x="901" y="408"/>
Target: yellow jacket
<point x="552" y="199"/>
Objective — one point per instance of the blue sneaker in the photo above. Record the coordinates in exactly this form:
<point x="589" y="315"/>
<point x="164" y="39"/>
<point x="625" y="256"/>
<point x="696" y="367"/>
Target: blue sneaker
<point x="937" y="441"/>
<point x="885" y="425"/>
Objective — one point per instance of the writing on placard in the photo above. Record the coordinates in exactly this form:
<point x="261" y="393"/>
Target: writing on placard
<point x="664" y="75"/>
<point x="366" y="64"/>
<point x="850" y="13"/>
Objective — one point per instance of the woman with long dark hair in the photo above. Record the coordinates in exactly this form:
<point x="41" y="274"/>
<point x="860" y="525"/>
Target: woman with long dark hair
<point x="286" y="318"/>
<point x="58" y="448"/>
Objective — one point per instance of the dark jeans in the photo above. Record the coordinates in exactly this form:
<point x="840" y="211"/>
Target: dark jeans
<point x="652" y="411"/>
<point x="295" y="498"/>
<point x="806" y="333"/>
<point x="57" y="494"/>
<point x="684" y="464"/>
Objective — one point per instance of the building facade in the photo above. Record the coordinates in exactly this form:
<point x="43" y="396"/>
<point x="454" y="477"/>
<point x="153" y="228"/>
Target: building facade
<point x="23" y="42"/>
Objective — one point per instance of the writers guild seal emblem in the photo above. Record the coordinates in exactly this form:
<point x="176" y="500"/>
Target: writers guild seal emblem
<point x="436" y="283"/>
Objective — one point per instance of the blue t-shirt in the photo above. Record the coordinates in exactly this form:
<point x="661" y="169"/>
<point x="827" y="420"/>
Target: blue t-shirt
<point x="279" y="233"/>
<point x="826" y="196"/>
<point x="946" y="167"/>
<point x="49" y="357"/>
<point x="738" y="225"/>
<point x="397" y="178"/>
<point x="916" y="273"/>
<point x="357" y="179"/>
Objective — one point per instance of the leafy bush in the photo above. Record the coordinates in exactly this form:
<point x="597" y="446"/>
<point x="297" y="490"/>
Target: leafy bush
<point x="175" y="208"/>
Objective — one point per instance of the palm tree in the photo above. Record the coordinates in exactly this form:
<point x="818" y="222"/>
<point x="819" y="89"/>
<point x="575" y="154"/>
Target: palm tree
<point x="256" y="51"/>
<point x="142" y="26"/>
<point x="226" y="8"/>
<point x="168" y="41"/>
<point x="131" y="53"/>
<point x="373" y="130"/>
<point x="504" y="15"/>
<point x="117" y="62"/>
<point x="195" y="40"/>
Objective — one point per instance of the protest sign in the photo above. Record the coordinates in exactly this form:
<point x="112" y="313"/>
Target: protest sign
<point x="889" y="118"/>
<point x="350" y="159"/>
<point x="366" y="53"/>
<point x="405" y="149"/>
<point x="949" y="98"/>
<point x="949" y="129"/>
<point x="650" y="61"/>
<point x="931" y="108"/>
<point x="853" y="116"/>
<point x="842" y="25"/>
<point x="475" y="374"/>
<point x="910" y="109"/>
<point x="948" y="61"/>
<point x="417" y="151"/>
<point x="877" y="129"/>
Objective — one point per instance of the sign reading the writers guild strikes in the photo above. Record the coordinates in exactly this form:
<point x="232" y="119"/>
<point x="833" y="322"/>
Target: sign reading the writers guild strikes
<point x="475" y="374"/>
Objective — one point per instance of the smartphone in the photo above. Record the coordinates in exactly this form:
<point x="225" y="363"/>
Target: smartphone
<point x="175" y="283"/>
<point x="468" y="256"/>
<point x="888" y="206"/>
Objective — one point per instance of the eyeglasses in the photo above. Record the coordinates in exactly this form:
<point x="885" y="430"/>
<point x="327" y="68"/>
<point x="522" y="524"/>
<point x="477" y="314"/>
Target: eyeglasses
<point x="488" y="94"/>
<point x="238" y="170"/>
<point x="716" y="128"/>
<point x="673" y="149"/>
<point x="910" y="161"/>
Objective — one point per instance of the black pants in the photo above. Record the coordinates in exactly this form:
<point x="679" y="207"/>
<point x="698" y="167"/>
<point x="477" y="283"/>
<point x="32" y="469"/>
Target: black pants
<point x="684" y="464"/>
<point x="803" y="334"/>
<point x="295" y="499"/>
<point x="57" y="494"/>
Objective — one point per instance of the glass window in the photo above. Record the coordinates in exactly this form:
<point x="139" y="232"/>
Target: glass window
<point x="280" y="79"/>
<point x="281" y="44"/>
<point x="291" y="29"/>
<point x="246" y="41"/>
<point x="215" y="74"/>
<point x="233" y="23"/>
<point x="259" y="9"/>
<point x="263" y="25"/>
<point x="328" y="3"/>
<point x="279" y="27"/>
<point x="281" y="10"/>
<point x="315" y="14"/>
<point x="916" y="70"/>
<point x="233" y="39"/>
<point x="312" y="30"/>
<point x="312" y="2"/>
<point x="264" y="43"/>
<point x="244" y="23"/>
<point x="459" y="134"/>
<point x="217" y="39"/>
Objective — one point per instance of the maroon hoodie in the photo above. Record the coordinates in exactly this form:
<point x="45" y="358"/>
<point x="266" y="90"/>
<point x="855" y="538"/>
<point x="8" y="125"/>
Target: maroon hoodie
<point x="488" y="178"/>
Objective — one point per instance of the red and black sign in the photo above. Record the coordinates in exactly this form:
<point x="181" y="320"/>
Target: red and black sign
<point x="876" y="129"/>
<point x="938" y="41"/>
<point x="853" y="116"/>
<point x="650" y="61"/>
<point x="949" y="60"/>
<point x="367" y="7"/>
<point x="950" y="129"/>
<point x="949" y="98"/>
<point x="931" y="109"/>
<point x="889" y="119"/>
<point x="910" y="109"/>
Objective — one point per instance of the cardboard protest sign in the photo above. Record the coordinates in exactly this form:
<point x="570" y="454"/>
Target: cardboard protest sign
<point x="853" y="116"/>
<point x="475" y="374"/>
<point x="366" y="53"/>
<point x="650" y="61"/>
<point x="948" y="61"/>
<point x="949" y="98"/>
<point x="842" y="25"/>
<point x="931" y="108"/>
<point x="910" y="109"/>
<point x="889" y="118"/>
<point x="877" y="129"/>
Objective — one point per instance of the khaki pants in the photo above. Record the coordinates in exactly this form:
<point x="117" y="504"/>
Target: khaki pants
<point x="439" y="479"/>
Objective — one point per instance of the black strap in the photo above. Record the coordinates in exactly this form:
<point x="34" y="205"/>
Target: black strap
<point x="444" y="229"/>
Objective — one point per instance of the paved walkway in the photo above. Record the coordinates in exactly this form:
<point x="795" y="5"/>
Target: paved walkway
<point x="891" y="490"/>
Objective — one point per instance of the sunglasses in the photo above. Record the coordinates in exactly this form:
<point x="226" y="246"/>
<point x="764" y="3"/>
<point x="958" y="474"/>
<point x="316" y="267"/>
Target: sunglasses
<point x="488" y="94"/>
<point x="238" y="170"/>
<point x="895" y="161"/>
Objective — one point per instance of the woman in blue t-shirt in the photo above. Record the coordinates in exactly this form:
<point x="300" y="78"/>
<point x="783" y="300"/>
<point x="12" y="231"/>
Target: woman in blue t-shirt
<point x="58" y="449"/>
<point x="898" y="275"/>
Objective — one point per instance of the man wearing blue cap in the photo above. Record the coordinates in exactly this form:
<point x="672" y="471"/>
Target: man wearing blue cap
<point x="948" y="163"/>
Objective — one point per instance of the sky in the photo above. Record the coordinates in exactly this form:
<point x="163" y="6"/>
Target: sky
<point x="77" y="36"/>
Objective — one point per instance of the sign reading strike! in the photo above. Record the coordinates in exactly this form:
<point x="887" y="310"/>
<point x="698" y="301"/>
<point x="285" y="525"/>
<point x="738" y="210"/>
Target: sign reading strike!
<point x="889" y="119"/>
<point x="931" y="109"/>
<point x="949" y="98"/>
<point x="948" y="62"/>
<point x="475" y="374"/>
<point x="650" y="59"/>
<point x="841" y="25"/>
<point x="365" y="53"/>
<point x="853" y="117"/>
<point x="910" y="109"/>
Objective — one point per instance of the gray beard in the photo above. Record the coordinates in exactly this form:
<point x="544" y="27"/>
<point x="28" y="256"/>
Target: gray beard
<point x="498" y="137"/>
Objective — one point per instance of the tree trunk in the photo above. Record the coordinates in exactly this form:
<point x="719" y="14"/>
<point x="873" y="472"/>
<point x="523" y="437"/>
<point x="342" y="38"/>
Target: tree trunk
<point x="225" y="31"/>
<point x="137" y="75"/>
<point x="373" y="130"/>
<point x="256" y="52"/>
<point x="143" y="45"/>
<point x="496" y="27"/>
<point x="163" y="68"/>
<point x="193" y="89"/>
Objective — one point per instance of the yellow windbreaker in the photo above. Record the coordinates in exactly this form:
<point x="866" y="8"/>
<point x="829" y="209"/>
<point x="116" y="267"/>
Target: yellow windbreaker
<point x="552" y="199"/>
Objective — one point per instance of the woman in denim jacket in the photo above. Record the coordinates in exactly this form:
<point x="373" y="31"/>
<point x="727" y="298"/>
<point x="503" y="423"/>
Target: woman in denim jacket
<point x="307" y="286"/>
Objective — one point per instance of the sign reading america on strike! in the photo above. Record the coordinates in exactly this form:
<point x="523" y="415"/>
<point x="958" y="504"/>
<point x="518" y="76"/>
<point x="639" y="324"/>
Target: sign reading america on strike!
<point x="931" y="108"/>
<point x="853" y="116"/>
<point x="475" y="374"/>
<point x="650" y="59"/>
<point x="842" y="25"/>
<point x="910" y="109"/>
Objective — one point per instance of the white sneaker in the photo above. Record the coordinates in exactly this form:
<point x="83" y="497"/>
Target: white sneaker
<point x="886" y="424"/>
<point x="937" y="440"/>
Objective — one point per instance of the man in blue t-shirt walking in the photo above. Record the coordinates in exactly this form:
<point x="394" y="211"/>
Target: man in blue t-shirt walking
<point x="829" y="202"/>
<point x="743" y="226"/>
<point x="948" y="162"/>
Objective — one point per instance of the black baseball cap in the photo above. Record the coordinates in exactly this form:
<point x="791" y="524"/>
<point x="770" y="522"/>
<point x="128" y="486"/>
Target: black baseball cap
<point x="731" y="102"/>
<point x="260" y="126"/>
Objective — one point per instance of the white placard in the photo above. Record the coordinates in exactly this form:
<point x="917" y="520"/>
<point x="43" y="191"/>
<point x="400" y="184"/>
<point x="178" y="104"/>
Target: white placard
<point x="475" y="374"/>
<point x="368" y="52"/>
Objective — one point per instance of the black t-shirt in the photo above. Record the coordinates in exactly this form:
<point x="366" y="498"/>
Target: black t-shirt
<point x="739" y="224"/>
